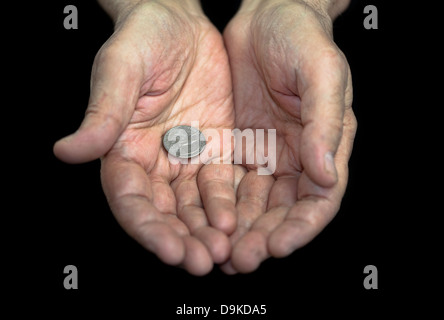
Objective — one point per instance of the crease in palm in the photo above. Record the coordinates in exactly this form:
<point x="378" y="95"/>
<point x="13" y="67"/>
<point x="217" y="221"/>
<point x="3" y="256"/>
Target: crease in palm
<point x="179" y="71"/>
<point x="189" y="82"/>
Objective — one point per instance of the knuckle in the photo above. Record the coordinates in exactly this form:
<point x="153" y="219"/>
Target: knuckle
<point x="333" y="57"/>
<point x="106" y="54"/>
<point x="331" y="131"/>
<point x="105" y="117"/>
<point x="336" y="125"/>
<point x="311" y="220"/>
<point x="348" y="97"/>
<point x="351" y="122"/>
<point x="115" y="52"/>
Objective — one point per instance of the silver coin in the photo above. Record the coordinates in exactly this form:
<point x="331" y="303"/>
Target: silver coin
<point x="184" y="142"/>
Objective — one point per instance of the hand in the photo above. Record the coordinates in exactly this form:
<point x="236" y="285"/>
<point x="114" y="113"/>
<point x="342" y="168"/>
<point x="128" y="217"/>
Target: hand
<point x="164" y="66"/>
<point x="289" y="75"/>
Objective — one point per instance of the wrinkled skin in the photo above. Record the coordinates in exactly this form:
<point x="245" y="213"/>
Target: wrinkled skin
<point x="153" y="74"/>
<point x="289" y="75"/>
<point x="166" y="66"/>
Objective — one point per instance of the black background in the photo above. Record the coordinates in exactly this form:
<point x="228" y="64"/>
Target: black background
<point x="63" y="217"/>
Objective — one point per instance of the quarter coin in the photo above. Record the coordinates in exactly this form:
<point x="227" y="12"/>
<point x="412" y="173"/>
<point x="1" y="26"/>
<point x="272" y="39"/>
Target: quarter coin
<point x="184" y="142"/>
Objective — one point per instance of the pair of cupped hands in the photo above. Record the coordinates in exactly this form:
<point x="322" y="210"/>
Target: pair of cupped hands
<point x="275" y="67"/>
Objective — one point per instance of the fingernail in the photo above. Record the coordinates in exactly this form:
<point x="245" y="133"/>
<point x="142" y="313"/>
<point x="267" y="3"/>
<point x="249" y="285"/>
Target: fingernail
<point x="329" y="165"/>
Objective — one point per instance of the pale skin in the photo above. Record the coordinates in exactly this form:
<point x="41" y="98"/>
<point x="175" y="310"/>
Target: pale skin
<point x="289" y="75"/>
<point x="151" y="75"/>
<point x="166" y="65"/>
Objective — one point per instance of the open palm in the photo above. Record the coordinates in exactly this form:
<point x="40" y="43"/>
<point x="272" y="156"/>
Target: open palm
<point x="288" y="75"/>
<point x="160" y="69"/>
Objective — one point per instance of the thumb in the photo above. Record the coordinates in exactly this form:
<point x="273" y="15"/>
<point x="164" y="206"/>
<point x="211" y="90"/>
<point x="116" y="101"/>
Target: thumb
<point x="324" y="95"/>
<point x="115" y="87"/>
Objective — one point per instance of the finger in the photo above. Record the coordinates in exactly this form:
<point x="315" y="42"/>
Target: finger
<point x="249" y="252"/>
<point x="307" y="218"/>
<point x="252" y="199"/>
<point x="115" y="87"/>
<point x="189" y="204"/>
<point x="322" y="83"/>
<point x="163" y="196"/>
<point x="130" y="195"/>
<point x="316" y="206"/>
<point x="197" y="259"/>
<point x="190" y="211"/>
<point x="239" y="173"/>
<point x="216" y="185"/>
<point x="228" y="268"/>
<point x="160" y="239"/>
<point x="216" y="242"/>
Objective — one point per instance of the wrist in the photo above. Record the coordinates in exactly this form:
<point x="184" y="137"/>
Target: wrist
<point x="332" y="8"/>
<point x="118" y="9"/>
